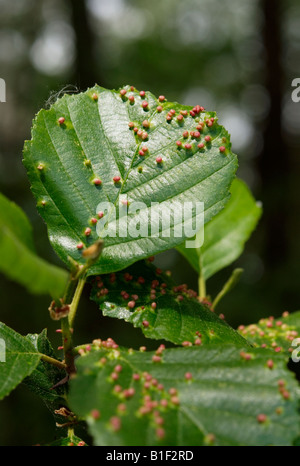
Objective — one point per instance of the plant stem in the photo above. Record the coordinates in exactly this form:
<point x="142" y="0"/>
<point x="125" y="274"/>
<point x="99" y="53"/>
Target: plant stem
<point x="53" y="361"/>
<point x="75" y="301"/>
<point x="68" y="345"/>
<point x="72" y="294"/>
<point x="201" y="287"/>
<point x="71" y="433"/>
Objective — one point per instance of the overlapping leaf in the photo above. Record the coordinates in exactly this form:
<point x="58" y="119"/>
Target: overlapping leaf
<point x="18" y="359"/>
<point x="18" y="259"/>
<point x="226" y="234"/>
<point x="191" y="396"/>
<point x="45" y="376"/>
<point x="281" y="334"/>
<point x="84" y="141"/>
<point x="149" y="299"/>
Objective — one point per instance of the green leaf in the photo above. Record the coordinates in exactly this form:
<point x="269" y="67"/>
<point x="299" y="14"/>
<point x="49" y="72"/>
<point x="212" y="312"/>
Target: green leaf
<point x="228" y="286"/>
<point x="297" y="442"/>
<point x="277" y="334"/>
<point x="21" y="358"/>
<point x="46" y="375"/>
<point x="226" y="234"/>
<point x="18" y="259"/>
<point x="176" y="314"/>
<point x="15" y="220"/>
<point x="68" y="442"/>
<point x="218" y="396"/>
<point x="85" y="138"/>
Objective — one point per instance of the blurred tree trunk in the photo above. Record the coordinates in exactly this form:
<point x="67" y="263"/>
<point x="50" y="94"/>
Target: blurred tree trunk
<point x="274" y="159"/>
<point x="86" y="74"/>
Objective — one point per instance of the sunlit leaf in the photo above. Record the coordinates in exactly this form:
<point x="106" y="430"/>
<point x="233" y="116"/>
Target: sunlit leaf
<point x="185" y="397"/>
<point x="84" y="142"/>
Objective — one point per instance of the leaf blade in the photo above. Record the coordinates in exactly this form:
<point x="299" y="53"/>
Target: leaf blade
<point x="278" y="333"/>
<point x="96" y="142"/>
<point x="220" y="404"/>
<point x="226" y="234"/>
<point x="177" y="316"/>
<point x="18" y="260"/>
<point x="20" y="361"/>
<point x="45" y="375"/>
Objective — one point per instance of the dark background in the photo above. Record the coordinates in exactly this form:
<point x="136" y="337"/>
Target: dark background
<point x="236" y="57"/>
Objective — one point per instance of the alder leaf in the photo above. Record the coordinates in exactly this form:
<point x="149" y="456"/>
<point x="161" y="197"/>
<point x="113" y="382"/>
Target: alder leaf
<point x="185" y="397"/>
<point x="102" y="145"/>
<point x="226" y="234"/>
<point x="18" y="359"/>
<point x="18" y="259"/>
<point x="281" y="334"/>
<point x="150" y="300"/>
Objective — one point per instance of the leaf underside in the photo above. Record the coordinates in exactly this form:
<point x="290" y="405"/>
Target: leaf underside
<point x="172" y="312"/>
<point x="96" y="143"/>
<point x="45" y="376"/>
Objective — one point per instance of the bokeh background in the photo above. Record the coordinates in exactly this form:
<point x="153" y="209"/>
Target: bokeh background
<point x="236" y="57"/>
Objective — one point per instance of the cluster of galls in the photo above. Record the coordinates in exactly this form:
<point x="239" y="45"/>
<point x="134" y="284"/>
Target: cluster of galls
<point x="131" y="298"/>
<point x="197" y="340"/>
<point x="131" y="97"/>
<point x="184" y="113"/>
<point x="183" y="290"/>
<point x="155" y="399"/>
<point x="140" y="133"/>
<point x="142" y="297"/>
<point x="269" y="332"/>
<point x="142" y="136"/>
<point x="99" y="344"/>
<point x="194" y="137"/>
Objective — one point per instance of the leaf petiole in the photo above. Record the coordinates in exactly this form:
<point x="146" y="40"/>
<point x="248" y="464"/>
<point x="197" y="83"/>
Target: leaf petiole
<point x="229" y="285"/>
<point x="54" y="362"/>
<point x="201" y="279"/>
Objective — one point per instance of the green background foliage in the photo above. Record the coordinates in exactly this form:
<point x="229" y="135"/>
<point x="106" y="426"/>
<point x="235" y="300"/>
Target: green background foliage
<point x="225" y="235"/>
